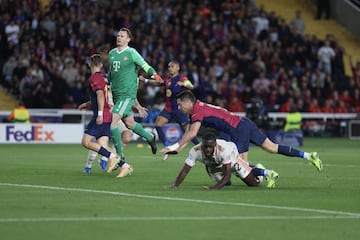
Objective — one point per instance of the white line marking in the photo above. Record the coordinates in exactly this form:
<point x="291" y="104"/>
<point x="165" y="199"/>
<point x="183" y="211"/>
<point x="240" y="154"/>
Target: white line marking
<point x="353" y="214"/>
<point x="209" y="218"/>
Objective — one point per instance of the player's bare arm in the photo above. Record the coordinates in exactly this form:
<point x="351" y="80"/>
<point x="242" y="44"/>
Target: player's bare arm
<point x="225" y="179"/>
<point x="181" y="176"/>
<point x="85" y="106"/>
<point x="100" y="99"/>
<point x="190" y="133"/>
<point x="143" y="111"/>
<point x="186" y="83"/>
<point x="150" y="81"/>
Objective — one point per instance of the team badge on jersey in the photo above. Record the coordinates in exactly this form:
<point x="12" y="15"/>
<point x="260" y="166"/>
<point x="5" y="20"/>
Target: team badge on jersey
<point x="168" y="93"/>
<point x="125" y="58"/>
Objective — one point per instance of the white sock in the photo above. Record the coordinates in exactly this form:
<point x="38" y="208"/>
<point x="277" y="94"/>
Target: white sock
<point x="104" y="158"/>
<point x="267" y="172"/>
<point x="91" y="157"/>
<point x="306" y="155"/>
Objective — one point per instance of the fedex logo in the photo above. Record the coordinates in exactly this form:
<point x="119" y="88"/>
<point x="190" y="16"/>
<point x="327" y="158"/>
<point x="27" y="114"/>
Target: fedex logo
<point x="36" y="133"/>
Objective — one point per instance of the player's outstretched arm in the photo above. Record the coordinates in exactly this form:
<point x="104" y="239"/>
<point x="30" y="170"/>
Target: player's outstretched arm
<point x="181" y="176"/>
<point x="189" y="134"/>
<point x="85" y="106"/>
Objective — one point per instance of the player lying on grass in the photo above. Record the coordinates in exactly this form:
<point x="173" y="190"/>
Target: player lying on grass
<point x="221" y="159"/>
<point x="241" y="130"/>
<point x="99" y="126"/>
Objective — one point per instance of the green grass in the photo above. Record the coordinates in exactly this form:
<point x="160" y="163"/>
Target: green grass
<point x="45" y="195"/>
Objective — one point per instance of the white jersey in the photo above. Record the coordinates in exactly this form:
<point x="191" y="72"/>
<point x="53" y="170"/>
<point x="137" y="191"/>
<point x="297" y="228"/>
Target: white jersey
<point x="225" y="152"/>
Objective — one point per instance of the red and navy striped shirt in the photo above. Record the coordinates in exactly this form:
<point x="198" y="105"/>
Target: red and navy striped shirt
<point x="214" y="117"/>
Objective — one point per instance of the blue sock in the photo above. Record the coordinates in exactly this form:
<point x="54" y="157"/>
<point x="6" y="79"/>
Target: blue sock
<point x="122" y="162"/>
<point x="103" y="152"/>
<point x="258" y="171"/>
<point x="289" y="151"/>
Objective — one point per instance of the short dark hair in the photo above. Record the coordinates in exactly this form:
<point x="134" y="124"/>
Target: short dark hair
<point x="209" y="136"/>
<point x="187" y="94"/>
<point x="127" y="31"/>
<point x="175" y="62"/>
<point x="95" y="60"/>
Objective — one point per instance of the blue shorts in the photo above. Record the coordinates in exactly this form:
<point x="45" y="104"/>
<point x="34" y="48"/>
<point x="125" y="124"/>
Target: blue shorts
<point x="96" y="130"/>
<point x="245" y="133"/>
<point x="180" y="117"/>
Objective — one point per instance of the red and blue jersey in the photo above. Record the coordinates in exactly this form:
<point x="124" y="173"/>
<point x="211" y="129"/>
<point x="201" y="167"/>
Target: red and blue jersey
<point x="214" y="117"/>
<point x="98" y="82"/>
<point x="172" y="89"/>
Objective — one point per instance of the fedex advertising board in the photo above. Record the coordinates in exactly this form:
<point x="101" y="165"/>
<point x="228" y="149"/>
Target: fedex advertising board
<point x="41" y="133"/>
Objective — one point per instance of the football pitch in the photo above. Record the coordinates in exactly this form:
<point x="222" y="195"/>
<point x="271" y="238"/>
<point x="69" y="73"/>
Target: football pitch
<point x="45" y="195"/>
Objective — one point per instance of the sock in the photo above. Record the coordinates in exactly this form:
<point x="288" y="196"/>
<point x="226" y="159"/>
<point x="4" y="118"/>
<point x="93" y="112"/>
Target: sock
<point x="104" y="158"/>
<point x="91" y="157"/>
<point x="258" y="171"/>
<point x="116" y="139"/>
<point x="306" y="155"/>
<point x="139" y="130"/>
<point x="123" y="164"/>
<point x="289" y="151"/>
<point x="161" y="135"/>
<point x="102" y="151"/>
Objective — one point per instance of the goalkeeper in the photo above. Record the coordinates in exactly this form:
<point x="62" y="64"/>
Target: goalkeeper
<point x="123" y="76"/>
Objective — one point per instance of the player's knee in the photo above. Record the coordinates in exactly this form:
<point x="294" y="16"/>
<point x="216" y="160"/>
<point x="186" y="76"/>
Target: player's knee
<point x="270" y="146"/>
<point x="126" y="137"/>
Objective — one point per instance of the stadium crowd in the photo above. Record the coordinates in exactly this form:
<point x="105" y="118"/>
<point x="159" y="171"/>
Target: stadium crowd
<point x="232" y="51"/>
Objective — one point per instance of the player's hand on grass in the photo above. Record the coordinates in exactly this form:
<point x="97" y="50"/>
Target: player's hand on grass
<point x="173" y="187"/>
<point x="172" y="149"/>
<point x="168" y="151"/>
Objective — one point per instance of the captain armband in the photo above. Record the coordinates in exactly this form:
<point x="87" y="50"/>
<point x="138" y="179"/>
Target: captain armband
<point x="187" y="83"/>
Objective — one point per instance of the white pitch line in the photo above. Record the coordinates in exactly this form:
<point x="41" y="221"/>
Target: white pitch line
<point x="353" y="214"/>
<point x="185" y="218"/>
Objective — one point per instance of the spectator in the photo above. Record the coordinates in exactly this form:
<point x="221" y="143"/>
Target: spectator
<point x="12" y="31"/>
<point x="297" y="25"/>
<point x="70" y="74"/>
<point x="325" y="57"/>
<point x="322" y="6"/>
<point x="7" y="71"/>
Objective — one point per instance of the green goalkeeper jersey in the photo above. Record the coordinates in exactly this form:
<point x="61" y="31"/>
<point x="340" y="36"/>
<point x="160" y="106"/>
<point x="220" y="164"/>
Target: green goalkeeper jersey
<point x="123" y="72"/>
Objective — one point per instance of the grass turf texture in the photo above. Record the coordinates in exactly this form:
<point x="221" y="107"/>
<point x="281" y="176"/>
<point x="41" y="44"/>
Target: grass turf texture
<point x="45" y="195"/>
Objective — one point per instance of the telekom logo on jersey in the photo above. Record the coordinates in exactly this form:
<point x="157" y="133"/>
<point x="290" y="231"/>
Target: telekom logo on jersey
<point x="35" y="133"/>
<point x="116" y="65"/>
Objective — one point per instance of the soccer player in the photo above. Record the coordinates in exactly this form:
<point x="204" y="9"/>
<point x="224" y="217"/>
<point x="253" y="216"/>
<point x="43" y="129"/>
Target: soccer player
<point x="241" y="130"/>
<point x="126" y="135"/>
<point x="221" y="158"/>
<point x="99" y="125"/>
<point x="174" y="84"/>
<point x="123" y="76"/>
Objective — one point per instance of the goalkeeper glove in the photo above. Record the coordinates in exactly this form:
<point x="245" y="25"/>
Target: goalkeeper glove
<point x="157" y="77"/>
